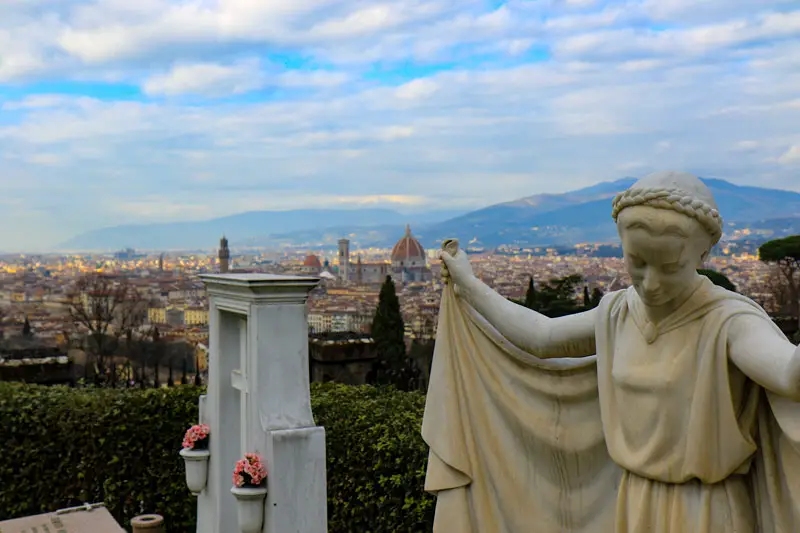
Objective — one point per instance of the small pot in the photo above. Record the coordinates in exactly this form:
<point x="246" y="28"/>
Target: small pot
<point x="250" y="507"/>
<point x="196" y="462"/>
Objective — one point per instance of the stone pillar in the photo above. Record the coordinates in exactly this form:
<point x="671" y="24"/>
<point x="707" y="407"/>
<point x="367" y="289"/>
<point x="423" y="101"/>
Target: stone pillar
<point x="258" y="401"/>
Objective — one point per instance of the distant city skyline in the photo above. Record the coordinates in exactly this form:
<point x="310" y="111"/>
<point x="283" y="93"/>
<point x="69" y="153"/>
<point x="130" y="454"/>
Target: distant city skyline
<point x="115" y="113"/>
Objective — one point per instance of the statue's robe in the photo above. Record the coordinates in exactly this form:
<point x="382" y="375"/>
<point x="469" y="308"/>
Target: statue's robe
<point x="657" y="433"/>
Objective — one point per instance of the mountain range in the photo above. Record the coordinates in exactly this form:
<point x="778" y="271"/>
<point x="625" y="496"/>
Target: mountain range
<point x="585" y="215"/>
<point x="242" y="229"/>
<point x="574" y="217"/>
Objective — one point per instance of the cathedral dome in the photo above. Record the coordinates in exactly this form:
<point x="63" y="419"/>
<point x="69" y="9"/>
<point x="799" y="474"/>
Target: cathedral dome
<point x="312" y="261"/>
<point x="408" y="251"/>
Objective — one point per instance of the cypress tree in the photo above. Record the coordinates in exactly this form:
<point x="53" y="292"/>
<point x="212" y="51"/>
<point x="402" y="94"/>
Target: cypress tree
<point x="185" y="376"/>
<point x="198" y="381"/>
<point x="587" y="298"/>
<point x="156" y="381"/>
<point x="394" y="367"/>
<point x="530" y="295"/>
<point x="143" y="375"/>
<point x="597" y="295"/>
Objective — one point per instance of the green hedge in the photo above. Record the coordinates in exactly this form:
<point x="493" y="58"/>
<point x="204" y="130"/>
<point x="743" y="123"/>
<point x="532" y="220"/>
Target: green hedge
<point x="376" y="459"/>
<point x="62" y="447"/>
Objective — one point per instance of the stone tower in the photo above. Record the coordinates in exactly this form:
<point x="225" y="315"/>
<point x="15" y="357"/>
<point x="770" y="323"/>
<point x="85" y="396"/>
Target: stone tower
<point x="344" y="259"/>
<point x="224" y="255"/>
<point x="359" y="272"/>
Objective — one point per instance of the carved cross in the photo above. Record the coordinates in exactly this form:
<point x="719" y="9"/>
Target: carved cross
<point x="239" y="382"/>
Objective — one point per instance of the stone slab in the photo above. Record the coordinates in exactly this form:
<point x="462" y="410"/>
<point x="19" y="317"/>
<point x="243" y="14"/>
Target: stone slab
<point x="98" y="520"/>
<point x="297" y="499"/>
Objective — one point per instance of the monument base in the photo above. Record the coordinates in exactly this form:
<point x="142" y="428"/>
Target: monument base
<point x="68" y="521"/>
<point x="297" y="499"/>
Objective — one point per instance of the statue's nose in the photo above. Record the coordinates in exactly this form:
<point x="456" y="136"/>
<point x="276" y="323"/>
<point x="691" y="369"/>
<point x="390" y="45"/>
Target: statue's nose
<point x="650" y="282"/>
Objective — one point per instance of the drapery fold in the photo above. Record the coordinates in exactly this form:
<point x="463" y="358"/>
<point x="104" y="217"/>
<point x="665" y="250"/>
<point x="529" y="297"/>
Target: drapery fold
<point x="517" y="443"/>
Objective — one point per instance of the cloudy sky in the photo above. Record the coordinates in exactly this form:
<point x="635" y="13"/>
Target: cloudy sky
<point x="119" y="111"/>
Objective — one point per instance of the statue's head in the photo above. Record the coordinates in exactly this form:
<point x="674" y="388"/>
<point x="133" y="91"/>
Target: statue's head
<point x="668" y="223"/>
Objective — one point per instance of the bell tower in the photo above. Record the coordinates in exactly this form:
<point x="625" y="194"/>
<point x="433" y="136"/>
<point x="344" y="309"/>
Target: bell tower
<point x="224" y="255"/>
<point x="344" y="259"/>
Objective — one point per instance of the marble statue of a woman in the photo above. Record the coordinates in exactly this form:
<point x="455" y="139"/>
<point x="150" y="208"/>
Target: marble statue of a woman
<point x="671" y="407"/>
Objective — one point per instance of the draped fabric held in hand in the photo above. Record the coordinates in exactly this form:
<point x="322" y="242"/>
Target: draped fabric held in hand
<point x="517" y="444"/>
<point x="516" y="441"/>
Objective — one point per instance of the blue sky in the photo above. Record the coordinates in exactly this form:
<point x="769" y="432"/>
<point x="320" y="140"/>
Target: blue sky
<point x="115" y="112"/>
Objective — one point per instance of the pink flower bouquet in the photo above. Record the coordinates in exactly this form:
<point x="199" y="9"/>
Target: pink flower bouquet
<point x="249" y="472"/>
<point x="196" y="438"/>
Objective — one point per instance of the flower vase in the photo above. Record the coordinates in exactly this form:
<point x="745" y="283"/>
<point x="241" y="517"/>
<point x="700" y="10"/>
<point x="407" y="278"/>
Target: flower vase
<point x="196" y="462"/>
<point x="250" y="507"/>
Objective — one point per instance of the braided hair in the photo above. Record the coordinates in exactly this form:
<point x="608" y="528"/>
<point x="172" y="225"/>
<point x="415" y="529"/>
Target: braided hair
<point x="673" y="199"/>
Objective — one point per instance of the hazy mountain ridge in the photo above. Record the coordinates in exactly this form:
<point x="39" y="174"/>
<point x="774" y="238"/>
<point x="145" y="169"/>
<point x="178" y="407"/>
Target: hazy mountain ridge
<point x="579" y="216"/>
<point x="359" y="236"/>
<point x="543" y="220"/>
<point x="252" y="228"/>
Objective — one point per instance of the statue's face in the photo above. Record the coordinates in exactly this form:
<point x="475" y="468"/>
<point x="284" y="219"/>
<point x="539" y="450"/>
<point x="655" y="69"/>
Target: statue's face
<point x="663" y="250"/>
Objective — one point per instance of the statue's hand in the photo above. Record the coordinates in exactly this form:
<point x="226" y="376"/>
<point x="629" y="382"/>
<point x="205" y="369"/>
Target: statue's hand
<point x="455" y="263"/>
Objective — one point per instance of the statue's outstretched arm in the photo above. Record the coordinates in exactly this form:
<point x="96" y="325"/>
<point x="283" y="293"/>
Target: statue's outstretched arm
<point x="544" y="337"/>
<point x="569" y="336"/>
<point x="765" y="356"/>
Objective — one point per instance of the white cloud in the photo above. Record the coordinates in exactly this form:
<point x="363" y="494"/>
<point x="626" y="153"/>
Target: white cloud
<point x="38" y="101"/>
<point x="697" y="40"/>
<point x="363" y="21"/>
<point x="747" y="146"/>
<point x="416" y="89"/>
<point x="215" y="79"/>
<point x="397" y="132"/>
<point x="210" y="79"/>
<point x="159" y="208"/>
<point x="663" y="146"/>
<point x="107" y="30"/>
<point x="46" y="159"/>
<point x="791" y="155"/>
<point x="425" y="102"/>
<point x="580" y="3"/>
<point x="588" y="21"/>
<point x="342" y="137"/>
<point x="317" y="78"/>
<point x="518" y="46"/>
<point x="699" y="11"/>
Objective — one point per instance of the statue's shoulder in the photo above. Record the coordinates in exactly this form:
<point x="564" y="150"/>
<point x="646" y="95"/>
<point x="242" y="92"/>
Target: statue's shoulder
<point x="733" y="303"/>
<point x="612" y="302"/>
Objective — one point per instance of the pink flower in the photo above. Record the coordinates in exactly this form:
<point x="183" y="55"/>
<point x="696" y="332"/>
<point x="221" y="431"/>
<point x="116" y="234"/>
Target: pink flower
<point x="194" y="435"/>
<point x="249" y="471"/>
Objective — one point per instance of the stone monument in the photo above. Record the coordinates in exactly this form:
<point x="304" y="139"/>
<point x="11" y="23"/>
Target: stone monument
<point x="670" y="408"/>
<point x="81" y="519"/>
<point x="258" y="401"/>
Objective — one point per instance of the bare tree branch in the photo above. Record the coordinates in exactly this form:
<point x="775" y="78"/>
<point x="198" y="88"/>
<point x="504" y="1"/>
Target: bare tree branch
<point x="105" y="308"/>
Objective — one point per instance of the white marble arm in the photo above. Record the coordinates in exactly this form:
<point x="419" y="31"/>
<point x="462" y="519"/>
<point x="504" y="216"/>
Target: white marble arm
<point x="544" y="337"/>
<point x="764" y="356"/>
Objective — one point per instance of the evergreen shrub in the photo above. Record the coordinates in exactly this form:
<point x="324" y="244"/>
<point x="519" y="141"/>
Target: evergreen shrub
<point x="62" y="447"/>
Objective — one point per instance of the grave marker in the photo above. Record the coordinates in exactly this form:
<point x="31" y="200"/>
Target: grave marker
<point x="259" y="401"/>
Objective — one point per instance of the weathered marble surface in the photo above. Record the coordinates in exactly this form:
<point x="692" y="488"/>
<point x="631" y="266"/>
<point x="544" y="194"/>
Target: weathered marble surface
<point x="672" y="407"/>
<point x="259" y="401"/>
